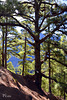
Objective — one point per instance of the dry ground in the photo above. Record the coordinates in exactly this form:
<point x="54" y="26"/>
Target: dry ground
<point x="17" y="87"/>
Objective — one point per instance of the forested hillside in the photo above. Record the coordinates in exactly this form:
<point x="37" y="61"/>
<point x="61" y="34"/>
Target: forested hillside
<point x="40" y="45"/>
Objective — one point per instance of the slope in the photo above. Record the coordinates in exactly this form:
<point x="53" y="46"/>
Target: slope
<point x="17" y="87"/>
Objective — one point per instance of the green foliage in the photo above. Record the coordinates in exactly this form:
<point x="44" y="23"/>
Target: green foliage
<point x="45" y="84"/>
<point x="28" y="69"/>
<point x="10" y="67"/>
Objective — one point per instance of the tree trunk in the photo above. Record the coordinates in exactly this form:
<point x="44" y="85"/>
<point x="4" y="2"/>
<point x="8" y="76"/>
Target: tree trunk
<point x="49" y="68"/>
<point x="6" y="47"/>
<point x="37" y="48"/>
<point x="37" y="66"/>
<point x="24" y="57"/>
<point x="64" y="89"/>
<point x="2" y="47"/>
<point x="64" y="81"/>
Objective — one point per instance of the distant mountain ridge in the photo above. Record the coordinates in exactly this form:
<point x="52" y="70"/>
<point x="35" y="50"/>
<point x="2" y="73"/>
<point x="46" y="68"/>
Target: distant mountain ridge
<point x="14" y="61"/>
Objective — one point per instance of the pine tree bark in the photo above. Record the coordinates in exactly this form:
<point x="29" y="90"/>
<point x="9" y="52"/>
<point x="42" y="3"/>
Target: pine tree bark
<point x="6" y="47"/>
<point x="2" y="47"/>
<point x="49" y="67"/>
<point x="64" y="81"/>
<point x="37" y="48"/>
<point x="37" y="66"/>
<point x="24" y="57"/>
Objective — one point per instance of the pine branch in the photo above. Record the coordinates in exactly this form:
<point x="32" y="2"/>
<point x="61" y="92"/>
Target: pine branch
<point x="30" y="32"/>
<point x="19" y="24"/>
<point x="59" y="61"/>
<point x="50" y="3"/>
<point x="49" y="77"/>
<point x="56" y="14"/>
<point x="26" y="17"/>
<point x="64" y="32"/>
<point x="45" y="58"/>
<point x="52" y="79"/>
<point x="26" y="3"/>
<point x="52" y="15"/>
<point x="31" y="43"/>
<point x="10" y="24"/>
<point x="56" y="45"/>
<point x="57" y="27"/>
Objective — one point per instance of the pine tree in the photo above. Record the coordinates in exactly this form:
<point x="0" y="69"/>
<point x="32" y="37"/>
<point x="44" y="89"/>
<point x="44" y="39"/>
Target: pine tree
<point x="37" y="17"/>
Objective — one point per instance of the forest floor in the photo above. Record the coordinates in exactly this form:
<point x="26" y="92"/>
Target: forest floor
<point x="17" y="87"/>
